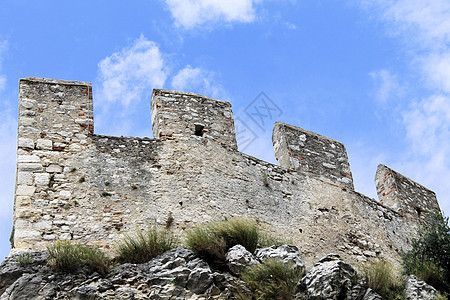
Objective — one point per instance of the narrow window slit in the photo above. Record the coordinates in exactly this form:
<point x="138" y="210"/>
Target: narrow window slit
<point x="199" y="130"/>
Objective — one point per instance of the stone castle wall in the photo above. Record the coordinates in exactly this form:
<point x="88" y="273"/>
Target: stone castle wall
<point x="75" y="185"/>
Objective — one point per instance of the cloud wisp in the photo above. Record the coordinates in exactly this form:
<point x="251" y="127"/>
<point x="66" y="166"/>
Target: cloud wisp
<point x="199" y="81"/>
<point x="424" y="28"/>
<point x="3" y="47"/>
<point x="127" y="77"/>
<point x="193" y="13"/>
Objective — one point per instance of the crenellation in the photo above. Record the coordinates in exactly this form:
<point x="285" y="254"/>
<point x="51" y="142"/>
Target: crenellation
<point x="185" y="115"/>
<point x="73" y="184"/>
<point x="309" y="152"/>
<point x="402" y="194"/>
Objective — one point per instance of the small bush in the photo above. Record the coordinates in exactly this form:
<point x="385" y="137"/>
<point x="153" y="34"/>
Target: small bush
<point x="145" y="245"/>
<point x="212" y="241"/>
<point x="24" y="259"/>
<point x="205" y="241"/>
<point x="381" y="277"/>
<point x="272" y="279"/>
<point x="65" y="256"/>
<point x="429" y="258"/>
<point x="426" y="270"/>
<point x="239" y="231"/>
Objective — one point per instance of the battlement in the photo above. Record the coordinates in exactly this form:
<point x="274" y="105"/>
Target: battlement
<point x="182" y="115"/>
<point x="402" y="194"/>
<point x="309" y="152"/>
<point x="72" y="184"/>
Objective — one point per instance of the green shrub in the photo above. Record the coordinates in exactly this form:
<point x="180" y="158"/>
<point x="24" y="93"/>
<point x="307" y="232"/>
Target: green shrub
<point x="238" y="231"/>
<point x="426" y="270"/>
<point x="212" y="241"/>
<point x="24" y="258"/>
<point x="145" y="245"/>
<point x="272" y="279"/>
<point x="205" y="241"/>
<point x="440" y="296"/>
<point x="381" y="277"/>
<point x="65" y="256"/>
<point x="429" y="258"/>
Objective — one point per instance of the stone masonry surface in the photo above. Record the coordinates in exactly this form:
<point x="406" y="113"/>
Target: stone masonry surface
<point x="72" y="184"/>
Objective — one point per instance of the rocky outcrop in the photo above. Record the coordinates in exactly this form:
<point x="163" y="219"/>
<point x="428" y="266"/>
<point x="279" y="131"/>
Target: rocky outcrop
<point x="417" y="289"/>
<point x="238" y="258"/>
<point x="176" y="274"/>
<point x="180" y="274"/>
<point x="289" y="254"/>
<point x="332" y="278"/>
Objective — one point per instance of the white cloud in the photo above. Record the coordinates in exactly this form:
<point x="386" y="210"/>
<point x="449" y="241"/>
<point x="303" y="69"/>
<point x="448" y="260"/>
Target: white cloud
<point x="424" y="27"/>
<point x="126" y="75"/>
<point x="428" y="126"/>
<point x="423" y="21"/>
<point x="125" y="79"/>
<point x="3" y="46"/>
<point x="198" y="81"/>
<point x="192" y="13"/>
<point x="436" y="67"/>
<point x="8" y="130"/>
<point x="387" y="85"/>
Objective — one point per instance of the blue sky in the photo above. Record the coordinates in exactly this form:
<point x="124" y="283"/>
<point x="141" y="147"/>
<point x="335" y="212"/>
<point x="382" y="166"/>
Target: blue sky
<point x="374" y="75"/>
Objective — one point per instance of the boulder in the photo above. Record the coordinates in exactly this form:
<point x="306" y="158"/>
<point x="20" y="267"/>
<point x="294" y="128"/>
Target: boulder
<point x="238" y="258"/>
<point x="286" y="253"/>
<point x="416" y="289"/>
<point x="330" y="278"/>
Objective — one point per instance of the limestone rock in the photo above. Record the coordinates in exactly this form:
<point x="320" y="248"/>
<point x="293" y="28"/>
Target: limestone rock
<point x="12" y="268"/>
<point x="417" y="289"/>
<point x="176" y="274"/>
<point x="238" y="258"/>
<point x="286" y="253"/>
<point x="330" y="278"/>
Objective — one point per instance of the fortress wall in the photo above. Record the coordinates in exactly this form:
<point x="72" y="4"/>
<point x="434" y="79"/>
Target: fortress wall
<point x="102" y="187"/>
<point x="180" y="114"/>
<point x="402" y="194"/>
<point x="309" y="152"/>
<point x="55" y="120"/>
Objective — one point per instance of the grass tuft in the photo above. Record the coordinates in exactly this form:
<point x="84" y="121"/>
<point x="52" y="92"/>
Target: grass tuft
<point x="66" y="257"/>
<point x="272" y="279"/>
<point x="381" y="277"/>
<point x="145" y="245"/>
<point x="212" y="241"/>
<point x="25" y="259"/>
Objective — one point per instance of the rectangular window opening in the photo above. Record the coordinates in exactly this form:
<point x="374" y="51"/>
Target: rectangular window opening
<point x="199" y="130"/>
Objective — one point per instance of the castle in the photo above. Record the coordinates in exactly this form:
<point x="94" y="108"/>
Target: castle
<point x="72" y="184"/>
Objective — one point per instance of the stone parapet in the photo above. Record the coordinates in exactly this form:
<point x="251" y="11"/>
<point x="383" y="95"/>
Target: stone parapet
<point x="403" y="194"/>
<point x="178" y="115"/>
<point x="309" y="152"/>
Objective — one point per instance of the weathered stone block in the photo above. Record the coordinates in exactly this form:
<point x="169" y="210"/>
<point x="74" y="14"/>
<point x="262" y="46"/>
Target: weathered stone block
<point x="41" y="179"/>
<point x="25" y="190"/>
<point x="25" y="143"/>
<point x="28" y="159"/>
<point x="43" y="144"/>
<point x="24" y="178"/>
<point x="65" y="194"/>
<point x="23" y="200"/>
<point x="54" y="168"/>
<point x="29" y="167"/>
